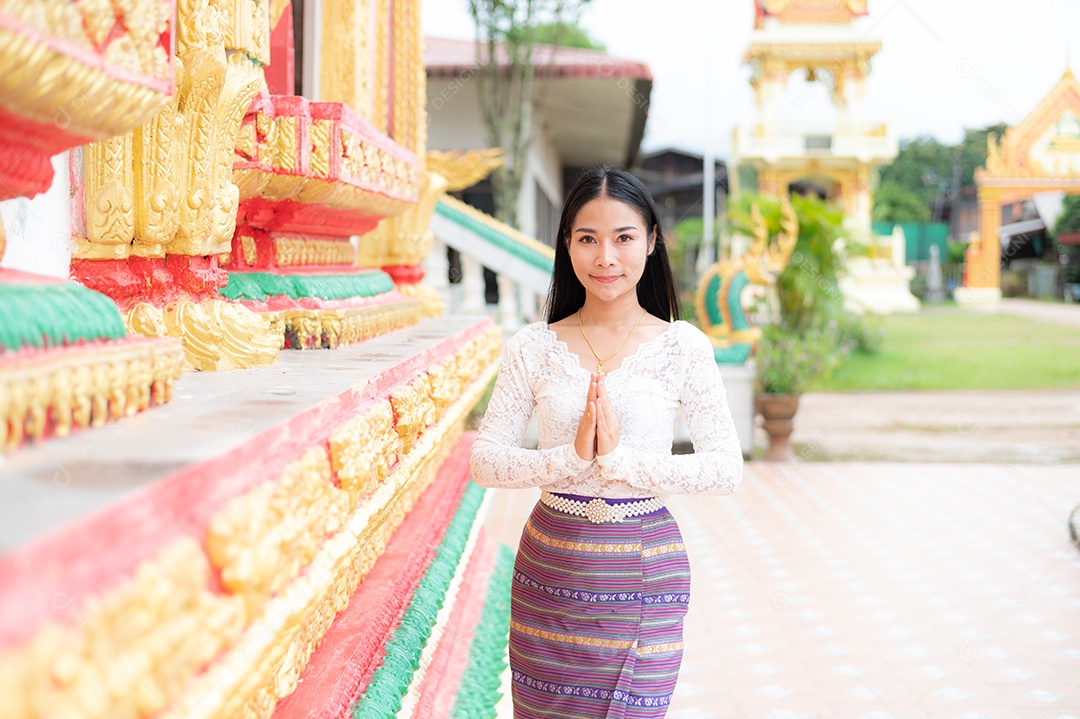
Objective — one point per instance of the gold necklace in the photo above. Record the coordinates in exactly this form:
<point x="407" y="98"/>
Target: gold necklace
<point x="600" y="362"/>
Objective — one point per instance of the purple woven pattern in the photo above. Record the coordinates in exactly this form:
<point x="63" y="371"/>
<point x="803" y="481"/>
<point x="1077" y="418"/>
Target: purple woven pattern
<point x="596" y="616"/>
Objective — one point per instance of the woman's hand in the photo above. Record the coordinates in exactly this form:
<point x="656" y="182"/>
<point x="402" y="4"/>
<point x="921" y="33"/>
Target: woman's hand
<point x="607" y="424"/>
<point x="585" y="442"/>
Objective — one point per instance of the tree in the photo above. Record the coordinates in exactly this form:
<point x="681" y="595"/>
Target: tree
<point x="565" y="34"/>
<point x="928" y="168"/>
<point x="507" y="32"/>
<point x="895" y="203"/>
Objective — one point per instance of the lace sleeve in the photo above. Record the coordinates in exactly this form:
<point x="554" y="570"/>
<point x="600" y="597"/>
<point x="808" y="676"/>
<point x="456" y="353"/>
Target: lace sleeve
<point x="498" y="459"/>
<point x="716" y="466"/>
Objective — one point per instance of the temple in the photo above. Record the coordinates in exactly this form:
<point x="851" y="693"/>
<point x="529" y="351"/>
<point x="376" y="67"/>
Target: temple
<point x="1040" y="154"/>
<point x="233" y="414"/>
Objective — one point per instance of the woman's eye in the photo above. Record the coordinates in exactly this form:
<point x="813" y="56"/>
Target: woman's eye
<point x="625" y="238"/>
<point x="586" y="238"/>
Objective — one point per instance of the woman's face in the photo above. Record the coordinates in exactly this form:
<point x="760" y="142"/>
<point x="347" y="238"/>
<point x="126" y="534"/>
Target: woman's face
<point x="608" y="246"/>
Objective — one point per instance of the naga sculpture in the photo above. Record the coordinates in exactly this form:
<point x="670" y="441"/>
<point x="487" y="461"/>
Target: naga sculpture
<point x="719" y="296"/>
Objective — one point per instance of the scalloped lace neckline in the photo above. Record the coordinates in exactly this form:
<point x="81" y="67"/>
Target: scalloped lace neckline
<point x="575" y="361"/>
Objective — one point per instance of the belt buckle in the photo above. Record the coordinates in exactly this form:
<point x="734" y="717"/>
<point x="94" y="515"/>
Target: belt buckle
<point x="598" y="511"/>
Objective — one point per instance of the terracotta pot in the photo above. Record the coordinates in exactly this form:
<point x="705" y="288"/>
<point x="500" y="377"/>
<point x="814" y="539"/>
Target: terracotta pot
<point x="777" y="411"/>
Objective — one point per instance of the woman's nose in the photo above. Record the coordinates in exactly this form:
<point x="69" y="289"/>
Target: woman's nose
<point x="605" y="253"/>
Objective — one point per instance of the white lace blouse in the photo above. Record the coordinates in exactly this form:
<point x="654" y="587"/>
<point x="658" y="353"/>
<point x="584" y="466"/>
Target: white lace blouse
<point x="672" y="369"/>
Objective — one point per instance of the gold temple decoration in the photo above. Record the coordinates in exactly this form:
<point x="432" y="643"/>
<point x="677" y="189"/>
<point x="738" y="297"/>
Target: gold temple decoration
<point x="217" y="334"/>
<point x="410" y="78"/>
<point x="1039" y="154"/>
<point x="50" y="86"/>
<point x="83" y="386"/>
<point x="464" y="169"/>
<point x="404" y="239"/>
<point x="302" y="251"/>
<point x="166" y="187"/>
<point x="332" y="328"/>
<point x="130" y="652"/>
<point x="166" y="644"/>
<point x="762" y="262"/>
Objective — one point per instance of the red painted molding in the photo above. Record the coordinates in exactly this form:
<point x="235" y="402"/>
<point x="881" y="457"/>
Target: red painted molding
<point x="154" y="280"/>
<point x="405" y="274"/>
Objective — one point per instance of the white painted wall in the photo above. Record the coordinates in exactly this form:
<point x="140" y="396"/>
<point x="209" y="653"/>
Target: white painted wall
<point x="38" y="229"/>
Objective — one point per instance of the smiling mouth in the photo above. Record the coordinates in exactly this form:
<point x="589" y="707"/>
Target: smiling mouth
<point x="606" y="278"/>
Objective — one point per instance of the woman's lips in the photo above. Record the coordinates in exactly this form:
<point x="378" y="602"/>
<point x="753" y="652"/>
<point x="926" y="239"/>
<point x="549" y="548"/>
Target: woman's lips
<point x="606" y="278"/>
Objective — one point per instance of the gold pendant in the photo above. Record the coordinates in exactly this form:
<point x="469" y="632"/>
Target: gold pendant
<point x="600" y="368"/>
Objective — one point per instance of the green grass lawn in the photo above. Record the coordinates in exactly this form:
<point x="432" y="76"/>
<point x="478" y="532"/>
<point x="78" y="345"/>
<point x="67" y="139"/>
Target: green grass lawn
<point x="948" y="348"/>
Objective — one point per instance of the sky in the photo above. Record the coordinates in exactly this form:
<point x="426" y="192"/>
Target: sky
<point x="945" y="65"/>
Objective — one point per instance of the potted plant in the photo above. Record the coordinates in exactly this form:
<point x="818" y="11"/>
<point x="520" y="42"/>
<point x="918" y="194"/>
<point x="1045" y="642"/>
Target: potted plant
<point x="786" y="363"/>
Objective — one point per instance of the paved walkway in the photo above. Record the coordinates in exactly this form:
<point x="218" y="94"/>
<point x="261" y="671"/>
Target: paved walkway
<point x="875" y="590"/>
<point x="1054" y="312"/>
<point x="1006" y="427"/>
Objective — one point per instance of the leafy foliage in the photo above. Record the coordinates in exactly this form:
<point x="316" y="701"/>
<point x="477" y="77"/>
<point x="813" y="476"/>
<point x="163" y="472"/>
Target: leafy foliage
<point x="895" y="203"/>
<point x="787" y="362"/>
<point x="563" y="34"/>
<point x="1069" y="219"/>
<point x="925" y="166"/>
<point x="809" y="288"/>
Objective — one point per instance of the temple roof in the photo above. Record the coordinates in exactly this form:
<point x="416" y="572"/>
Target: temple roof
<point x="445" y="57"/>
<point x="808" y="11"/>
<point x="594" y="105"/>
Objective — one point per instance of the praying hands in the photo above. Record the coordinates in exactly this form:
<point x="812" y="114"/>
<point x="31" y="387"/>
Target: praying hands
<point x="598" y="430"/>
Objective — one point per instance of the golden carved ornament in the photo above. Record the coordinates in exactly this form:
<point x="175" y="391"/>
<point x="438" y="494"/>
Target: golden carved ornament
<point x="413" y="410"/>
<point x="262" y="540"/>
<point x="247" y="245"/>
<point x="164" y="644"/>
<point x="345" y="75"/>
<point x="380" y="80"/>
<point x="289" y="251"/>
<point x="129" y="652"/>
<point x="332" y="328"/>
<point x="364" y="449"/>
<point x="81" y="387"/>
<point x="47" y="85"/>
<point x="765" y="259"/>
<point x="404" y="239"/>
<point x="3" y="239"/>
<point x="167" y="187"/>
<point x="247" y="28"/>
<point x="216" y="334"/>
<point x="110" y="206"/>
<point x="431" y="302"/>
<point x="264" y="665"/>
<point x="462" y="170"/>
<point x="410" y="79"/>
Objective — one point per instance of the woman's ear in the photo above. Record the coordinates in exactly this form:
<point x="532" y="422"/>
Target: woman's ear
<point x="652" y="238"/>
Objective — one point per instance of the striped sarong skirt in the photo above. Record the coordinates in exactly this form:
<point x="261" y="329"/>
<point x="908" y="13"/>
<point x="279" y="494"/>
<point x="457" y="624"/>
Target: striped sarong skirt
<point x="596" y="616"/>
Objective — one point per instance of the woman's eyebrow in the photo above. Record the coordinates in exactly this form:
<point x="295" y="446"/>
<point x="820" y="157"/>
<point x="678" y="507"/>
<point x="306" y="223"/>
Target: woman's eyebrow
<point x="617" y="229"/>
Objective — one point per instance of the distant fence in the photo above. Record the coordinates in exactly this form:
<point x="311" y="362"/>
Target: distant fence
<point x="920" y="237"/>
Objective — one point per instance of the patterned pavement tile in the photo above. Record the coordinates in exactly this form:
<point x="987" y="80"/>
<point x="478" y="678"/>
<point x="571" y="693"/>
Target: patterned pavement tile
<point x="876" y="590"/>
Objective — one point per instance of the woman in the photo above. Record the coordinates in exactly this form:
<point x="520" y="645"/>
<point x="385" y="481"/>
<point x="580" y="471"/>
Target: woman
<point x="601" y="582"/>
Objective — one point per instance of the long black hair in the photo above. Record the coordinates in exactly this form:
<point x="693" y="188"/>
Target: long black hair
<point x="656" y="288"/>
